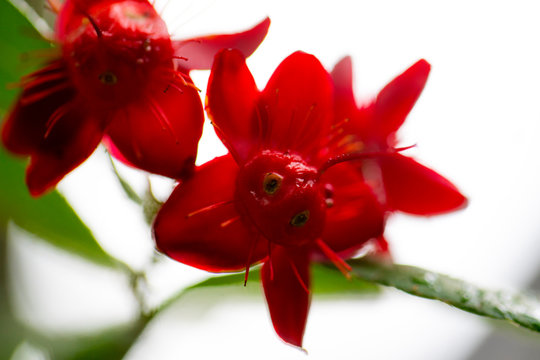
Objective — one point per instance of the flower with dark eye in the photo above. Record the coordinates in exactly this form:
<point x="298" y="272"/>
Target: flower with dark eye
<point x="276" y="197"/>
<point x="401" y="183"/>
<point x="119" y="78"/>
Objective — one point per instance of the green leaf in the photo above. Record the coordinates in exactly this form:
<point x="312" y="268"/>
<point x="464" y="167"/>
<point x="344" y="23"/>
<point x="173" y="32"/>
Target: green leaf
<point x="520" y="309"/>
<point x="326" y="281"/>
<point x="50" y="217"/>
<point x="128" y="190"/>
<point x="112" y="343"/>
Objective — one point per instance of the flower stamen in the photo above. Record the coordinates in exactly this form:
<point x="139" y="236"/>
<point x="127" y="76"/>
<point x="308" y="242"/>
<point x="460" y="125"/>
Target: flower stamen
<point x="182" y="77"/>
<point x="209" y="207"/>
<point x="28" y="99"/>
<point x="29" y="84"/>
<point x="229" y="221"/>
<point x="158" y="113"/>
<point x="297" y="274"/>
<point x="55" y="116"/>
<point x="334" y="258"/>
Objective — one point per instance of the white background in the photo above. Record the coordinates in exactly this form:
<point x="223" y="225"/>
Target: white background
<point x="476" y="122"/>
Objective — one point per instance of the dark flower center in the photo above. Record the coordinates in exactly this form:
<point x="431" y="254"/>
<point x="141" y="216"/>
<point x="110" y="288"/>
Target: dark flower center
<point x="108" y="78"/>
<point x="300" y="219"/>
<point x="279" y="193"/>
<point x="272" y="183"/>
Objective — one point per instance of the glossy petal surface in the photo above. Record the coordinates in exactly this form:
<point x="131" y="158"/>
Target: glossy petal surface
<point x="296" y="106"/>
<point x="416" y="189"/>
<point x="160" y="133"/>
<point x="213" y="239"/>
<point x="199" y="52"/>
<point x="286" y="280"/>
<point x="231" y="104"/>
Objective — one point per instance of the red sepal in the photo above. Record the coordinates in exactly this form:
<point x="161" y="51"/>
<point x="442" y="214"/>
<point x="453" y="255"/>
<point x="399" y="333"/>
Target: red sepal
<point x="397" y="99"/>
<point x="416" y="189"/>
<point x="231" y="104"/>
<point x="344" y="102"/>
<point x="168" y="121"/>
<point x="190" y="230"/>
<point x="296" y="106"/>
<point x="198" y="53"/>
<point x="286" y="281"/>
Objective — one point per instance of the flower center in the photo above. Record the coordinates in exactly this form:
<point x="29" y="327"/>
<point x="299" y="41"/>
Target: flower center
<point x="119" y="53"/>
<point x="280" y="195"/>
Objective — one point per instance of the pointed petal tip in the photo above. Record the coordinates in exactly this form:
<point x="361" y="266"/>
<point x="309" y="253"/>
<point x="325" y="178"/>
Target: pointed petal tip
<point x="36" y="186"/>
<point x="263" y="25"/>
<point x="230" y="57"/>
<point x="345" y="62"/>
<point x="292" y="341"/>
<point x="199" y="53"/>
<point x="421" y="68"/>
<point x="416" y="189"/>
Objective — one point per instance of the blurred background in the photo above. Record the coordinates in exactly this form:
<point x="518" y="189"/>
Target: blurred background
<point x="476" y="123"/>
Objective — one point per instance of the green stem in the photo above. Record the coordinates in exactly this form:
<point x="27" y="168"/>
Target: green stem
<point x="520" y="309"/>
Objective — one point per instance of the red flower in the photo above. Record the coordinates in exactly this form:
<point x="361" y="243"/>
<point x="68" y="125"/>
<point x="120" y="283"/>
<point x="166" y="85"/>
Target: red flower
<point x="270" y="200"/>
<point x="401" y="183"/>
<point x="121" y="78"/>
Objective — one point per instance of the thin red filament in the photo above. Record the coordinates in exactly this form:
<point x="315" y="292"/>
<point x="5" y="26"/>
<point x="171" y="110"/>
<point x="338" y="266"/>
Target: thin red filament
<point x="28" y="99"/>
<point x="229" y="221"/>
<point x="55" y="116"/>
<point x="334" y="258"/>
<point x="162" y="118"/>
<point x="297" y="274"/>
<point x="209" y="207"/>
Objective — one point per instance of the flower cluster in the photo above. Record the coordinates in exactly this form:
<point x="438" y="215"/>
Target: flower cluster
<point x="309" y="174"/>
<point x="298" y="181"/>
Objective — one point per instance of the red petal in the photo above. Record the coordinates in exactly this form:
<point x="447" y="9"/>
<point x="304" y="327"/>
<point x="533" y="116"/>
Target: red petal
<point x="212" y="239"/>
<point x="198" y="53"/>
<point x="25" y="126"/>
<point x="231" y="98"/>
<point x="286" y="281"/>
<point x="355" y="216"/>
<point x="160" y="133"/>
<point x="344" y="102"/>
<point x="72" y="139"/>
<point x="415" y="189"/>
<point x="397" y="99"/>
<point x="74" y="12"/>
<point x="297" y="105"/>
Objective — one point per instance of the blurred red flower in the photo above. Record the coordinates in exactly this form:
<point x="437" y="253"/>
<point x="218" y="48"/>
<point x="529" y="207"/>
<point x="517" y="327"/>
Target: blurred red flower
<point x="275" y="198"/>
<point x="400" y="182"/>
<point x="119" y="78"/>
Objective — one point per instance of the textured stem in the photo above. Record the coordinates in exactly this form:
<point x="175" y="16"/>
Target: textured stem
<point x="520" y="309"/>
